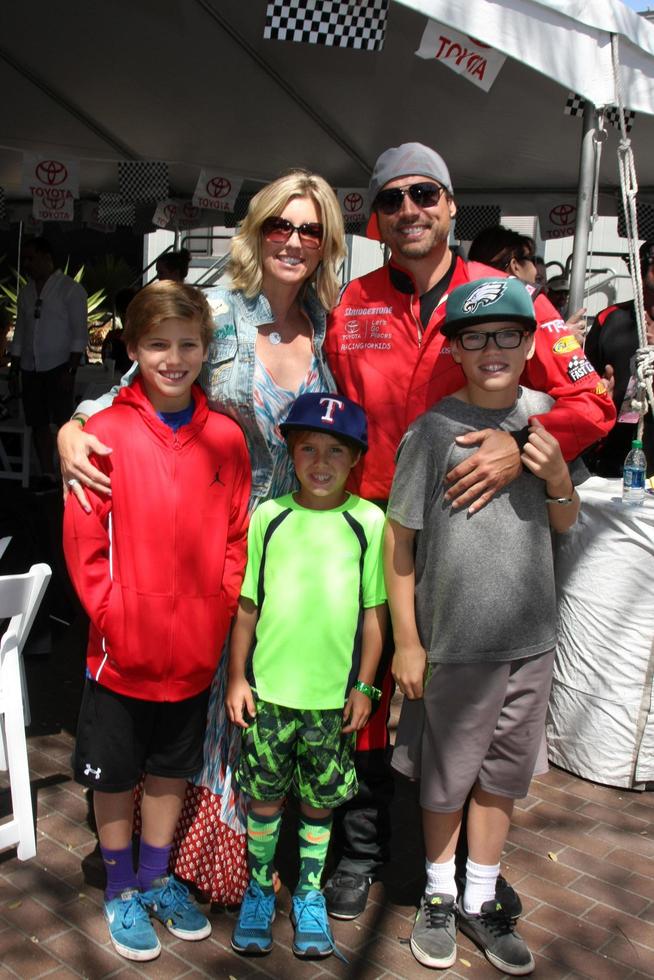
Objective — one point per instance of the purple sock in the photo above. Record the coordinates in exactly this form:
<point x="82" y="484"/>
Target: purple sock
<point x="153" y="863"/>
<point x="120" y="871"/>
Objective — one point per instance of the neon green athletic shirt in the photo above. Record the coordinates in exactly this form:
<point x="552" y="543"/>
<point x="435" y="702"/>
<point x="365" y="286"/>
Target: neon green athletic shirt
<point x="311" y="573"/>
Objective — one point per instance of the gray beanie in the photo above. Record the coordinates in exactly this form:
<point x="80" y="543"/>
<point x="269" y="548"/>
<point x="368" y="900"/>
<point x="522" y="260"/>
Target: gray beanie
<point x="407" y="160"/>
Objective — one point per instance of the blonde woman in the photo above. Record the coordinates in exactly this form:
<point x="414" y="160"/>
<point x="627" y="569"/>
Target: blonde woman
<point x="266" y="350"/>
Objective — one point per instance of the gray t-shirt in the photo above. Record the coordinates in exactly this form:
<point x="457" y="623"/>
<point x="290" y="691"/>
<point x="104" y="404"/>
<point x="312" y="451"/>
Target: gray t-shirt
<point x="484" y="583"/>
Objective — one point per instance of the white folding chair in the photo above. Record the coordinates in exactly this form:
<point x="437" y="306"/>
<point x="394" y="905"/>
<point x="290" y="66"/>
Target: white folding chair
<point x="20" y="598"/>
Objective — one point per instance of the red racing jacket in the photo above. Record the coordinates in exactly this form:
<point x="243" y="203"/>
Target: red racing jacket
<point x="158" y="565"/>
<point x="381" y="356"/>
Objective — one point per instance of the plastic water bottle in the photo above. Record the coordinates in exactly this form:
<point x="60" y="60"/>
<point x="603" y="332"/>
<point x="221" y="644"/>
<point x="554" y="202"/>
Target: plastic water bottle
<point x="633" y="475"/>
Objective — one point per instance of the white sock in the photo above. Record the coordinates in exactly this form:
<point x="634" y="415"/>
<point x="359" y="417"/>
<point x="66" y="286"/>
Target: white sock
<point x="480" y="885"/>
<point x="440" y="878"/>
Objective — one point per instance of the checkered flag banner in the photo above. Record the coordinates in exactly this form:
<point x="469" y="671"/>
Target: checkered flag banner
<point x="644" y="220"/>
<point x="335" y="23"/>
<point x="473" y="218"/>
<point x="112" y="209"/>
<point x="2" y="204"/>
<point x="141" y="181"/>
<point x="575" y="105"/>
<point x="613" y="116"/>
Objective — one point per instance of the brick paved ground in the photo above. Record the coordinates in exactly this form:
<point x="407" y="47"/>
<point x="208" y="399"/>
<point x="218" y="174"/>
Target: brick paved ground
<point x="580" y="855"/>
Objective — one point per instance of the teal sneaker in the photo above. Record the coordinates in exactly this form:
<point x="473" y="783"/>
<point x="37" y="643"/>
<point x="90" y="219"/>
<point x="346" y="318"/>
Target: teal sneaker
<point x="130" y="928"/>
<point x="253" y="930"/>
<point x="313" y="937"/>
<point x="169" y="901"/>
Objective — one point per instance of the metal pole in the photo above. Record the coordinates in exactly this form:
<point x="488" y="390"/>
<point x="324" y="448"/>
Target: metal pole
<point x="20" y="245"/>
<point x="584" y="203"/>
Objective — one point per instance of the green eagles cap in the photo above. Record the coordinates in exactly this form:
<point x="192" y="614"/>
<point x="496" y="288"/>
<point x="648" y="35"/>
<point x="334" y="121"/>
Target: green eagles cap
<point x="488" y="300"/>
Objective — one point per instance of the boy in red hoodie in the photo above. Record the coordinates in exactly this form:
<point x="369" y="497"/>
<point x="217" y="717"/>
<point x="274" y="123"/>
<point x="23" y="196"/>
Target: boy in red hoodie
<point x="158" y="567"/>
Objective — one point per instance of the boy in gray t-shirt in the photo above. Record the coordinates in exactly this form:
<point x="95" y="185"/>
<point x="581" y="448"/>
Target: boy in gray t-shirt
<point x="473" y="607"/>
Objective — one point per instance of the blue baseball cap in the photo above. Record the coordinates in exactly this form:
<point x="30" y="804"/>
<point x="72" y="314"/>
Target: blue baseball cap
<point x="324" y="411"/>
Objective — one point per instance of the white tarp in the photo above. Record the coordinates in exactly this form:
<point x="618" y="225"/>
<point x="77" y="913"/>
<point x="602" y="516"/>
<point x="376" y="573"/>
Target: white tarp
<point x="601" y="717"/>
<point x="195" y="84"/>
<point x="567" y="40"/>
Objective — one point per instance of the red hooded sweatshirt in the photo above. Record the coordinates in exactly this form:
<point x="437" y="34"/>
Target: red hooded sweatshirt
<point x="158" y="564"/>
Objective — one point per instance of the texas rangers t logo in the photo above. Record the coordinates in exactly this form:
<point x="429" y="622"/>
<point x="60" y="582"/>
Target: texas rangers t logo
<point x="332" y="404"/>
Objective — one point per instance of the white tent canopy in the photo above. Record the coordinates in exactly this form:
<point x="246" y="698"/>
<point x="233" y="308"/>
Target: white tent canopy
<point x="569" y="41"/>
<point x="194" y="83"/>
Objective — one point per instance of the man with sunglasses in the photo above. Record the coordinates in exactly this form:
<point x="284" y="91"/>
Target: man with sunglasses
<point x="49" y="339"/>
<point x="386" y="350"/>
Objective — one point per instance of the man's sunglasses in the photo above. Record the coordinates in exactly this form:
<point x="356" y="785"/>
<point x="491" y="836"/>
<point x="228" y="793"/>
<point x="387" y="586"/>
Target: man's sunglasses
<point x="279" y="230"/>
<point x="504" y="339"/>
<point x="425" y="195"/>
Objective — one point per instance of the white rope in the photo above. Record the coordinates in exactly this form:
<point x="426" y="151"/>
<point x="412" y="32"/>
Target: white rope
<point x="598" y="139"/>
<point x="629" y="188"/>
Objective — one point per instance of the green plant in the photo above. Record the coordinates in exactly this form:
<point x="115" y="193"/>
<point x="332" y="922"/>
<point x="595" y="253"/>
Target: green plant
<point x="110" y="273"/>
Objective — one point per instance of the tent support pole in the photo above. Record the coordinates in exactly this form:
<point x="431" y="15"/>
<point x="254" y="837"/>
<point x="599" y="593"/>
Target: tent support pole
<point x="584" y="204"/>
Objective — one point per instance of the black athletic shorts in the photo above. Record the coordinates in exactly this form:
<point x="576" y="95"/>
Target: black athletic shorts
<point x="119" y="738"/>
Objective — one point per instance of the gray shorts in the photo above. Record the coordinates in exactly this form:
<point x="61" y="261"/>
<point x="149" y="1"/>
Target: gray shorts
<point x="477" y="723"/>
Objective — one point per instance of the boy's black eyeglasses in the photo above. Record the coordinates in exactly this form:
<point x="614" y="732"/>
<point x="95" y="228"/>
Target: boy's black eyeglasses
<point x="504" y="339"/>
<point x="425" y="195"/>
<point x="279" y="230"/>
<point x="37" y="309"/>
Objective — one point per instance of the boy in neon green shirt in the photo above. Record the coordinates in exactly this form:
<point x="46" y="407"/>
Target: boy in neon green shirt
<point x="313" y="602"/>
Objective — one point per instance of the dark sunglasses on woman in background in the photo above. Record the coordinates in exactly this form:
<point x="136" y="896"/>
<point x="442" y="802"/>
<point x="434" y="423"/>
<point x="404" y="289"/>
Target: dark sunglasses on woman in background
<point x="279" y="230"/>
<point x="425" y="195"/>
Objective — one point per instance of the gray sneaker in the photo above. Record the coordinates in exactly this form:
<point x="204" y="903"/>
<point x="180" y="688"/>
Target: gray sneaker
<point x="433" y="939"/>
<point x="493" y="930"/>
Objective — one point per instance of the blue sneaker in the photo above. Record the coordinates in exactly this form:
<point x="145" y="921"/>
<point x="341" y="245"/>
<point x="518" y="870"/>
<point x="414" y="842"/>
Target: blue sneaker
<point x="253" y="930"/>
<point x="313" y="937"/>
<point x="130" y="928"/>
<point x="169" y="901"/>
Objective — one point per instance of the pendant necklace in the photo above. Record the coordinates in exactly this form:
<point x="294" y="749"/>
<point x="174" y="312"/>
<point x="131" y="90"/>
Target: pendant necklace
<point x="274" y="338"/>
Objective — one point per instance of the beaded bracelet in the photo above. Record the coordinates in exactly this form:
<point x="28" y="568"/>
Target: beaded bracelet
<point x="371" y="692"/>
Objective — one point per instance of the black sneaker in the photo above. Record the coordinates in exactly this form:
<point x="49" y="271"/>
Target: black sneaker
<point x="508" y="897"/>
<point x="346" y="894"/>
<point x="493" y="930"/>
<point x="433" y="938"/>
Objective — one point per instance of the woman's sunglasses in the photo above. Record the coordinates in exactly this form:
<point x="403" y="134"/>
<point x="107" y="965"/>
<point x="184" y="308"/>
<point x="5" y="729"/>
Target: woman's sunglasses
<point x="425" y="195"/>
<point x="279" y="230"/>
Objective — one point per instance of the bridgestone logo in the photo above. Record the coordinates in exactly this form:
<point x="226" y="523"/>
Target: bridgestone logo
<point x="367" y="310"/>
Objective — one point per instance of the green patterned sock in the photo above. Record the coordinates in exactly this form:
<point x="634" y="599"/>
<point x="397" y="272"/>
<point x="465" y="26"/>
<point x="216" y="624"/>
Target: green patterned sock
<point x="314" y="837"/>
<point x="263" y="833"/>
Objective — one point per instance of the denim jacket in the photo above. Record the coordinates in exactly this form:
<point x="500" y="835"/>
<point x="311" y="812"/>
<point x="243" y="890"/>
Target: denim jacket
<point x="228" y="375"/>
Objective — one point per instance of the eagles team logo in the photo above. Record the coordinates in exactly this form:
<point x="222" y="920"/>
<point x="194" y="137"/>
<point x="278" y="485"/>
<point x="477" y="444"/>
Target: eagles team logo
<point x="485" y="295"/>
<point x="566" y="345"/>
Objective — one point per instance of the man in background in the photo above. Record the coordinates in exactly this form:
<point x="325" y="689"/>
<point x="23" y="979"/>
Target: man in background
<point x="49" y="339"/>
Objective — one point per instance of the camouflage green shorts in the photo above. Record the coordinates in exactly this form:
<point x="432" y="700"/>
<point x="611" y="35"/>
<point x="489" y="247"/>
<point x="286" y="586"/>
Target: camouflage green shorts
<point x="304" y="751"/>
